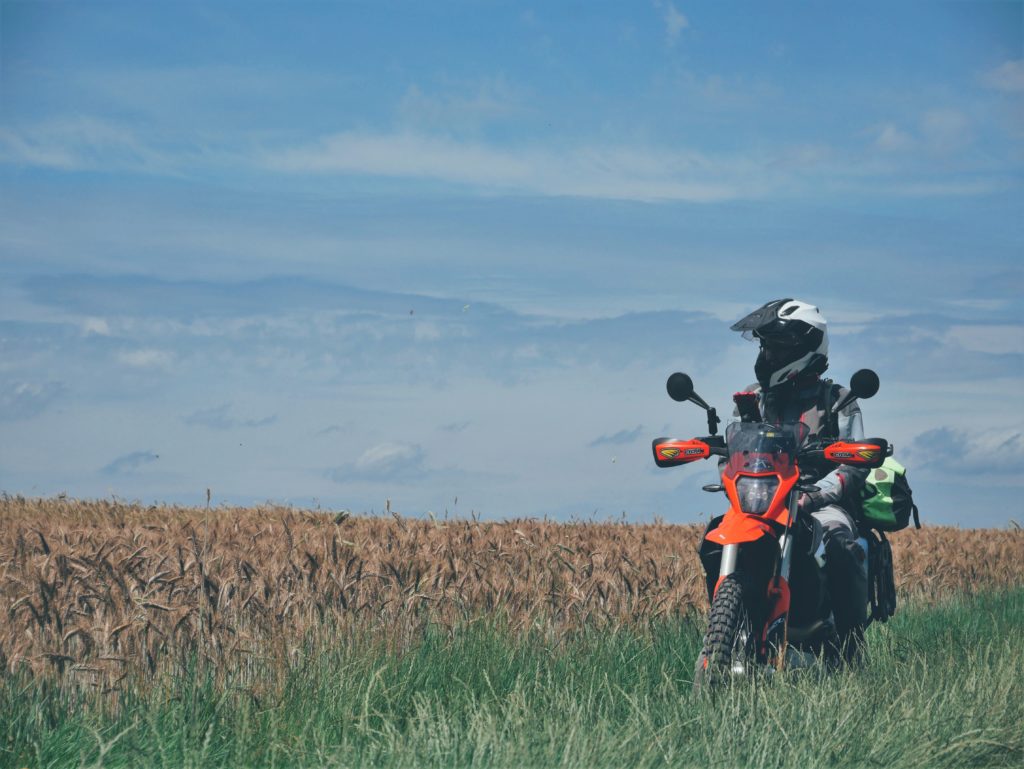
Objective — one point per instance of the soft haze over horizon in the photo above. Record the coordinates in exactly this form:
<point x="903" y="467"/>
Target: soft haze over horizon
<point x="343" y="253"/>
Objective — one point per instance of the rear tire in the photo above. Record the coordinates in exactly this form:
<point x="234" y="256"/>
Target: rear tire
<point x="728" y="644"/>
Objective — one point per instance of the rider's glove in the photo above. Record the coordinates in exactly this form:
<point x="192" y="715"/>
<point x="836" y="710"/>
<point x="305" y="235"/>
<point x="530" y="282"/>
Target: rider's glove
<point x="811" y="502"/>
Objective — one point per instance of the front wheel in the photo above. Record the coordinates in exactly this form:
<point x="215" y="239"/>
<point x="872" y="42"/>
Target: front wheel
<point x="729" y="647"/>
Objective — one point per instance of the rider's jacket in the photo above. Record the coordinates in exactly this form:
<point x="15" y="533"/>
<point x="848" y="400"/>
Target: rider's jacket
<point x="809" y="400"/>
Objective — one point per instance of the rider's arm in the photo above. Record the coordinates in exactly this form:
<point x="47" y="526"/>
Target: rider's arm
<point x="845" y="479"/>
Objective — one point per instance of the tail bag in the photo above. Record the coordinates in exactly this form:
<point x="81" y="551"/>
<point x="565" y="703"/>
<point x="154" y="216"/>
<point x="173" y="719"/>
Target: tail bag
<point x="888" y="501"/>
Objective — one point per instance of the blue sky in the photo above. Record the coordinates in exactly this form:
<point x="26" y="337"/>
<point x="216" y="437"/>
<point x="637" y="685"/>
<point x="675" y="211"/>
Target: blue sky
<point x="446" y="254"/>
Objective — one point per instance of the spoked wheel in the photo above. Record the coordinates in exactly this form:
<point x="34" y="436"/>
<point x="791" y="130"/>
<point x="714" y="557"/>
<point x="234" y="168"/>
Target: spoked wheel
<point x="729" y="646"/>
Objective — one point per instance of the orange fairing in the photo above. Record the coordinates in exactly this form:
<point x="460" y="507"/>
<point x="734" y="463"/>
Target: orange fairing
<point x="669" y="452"/>
<point x="862" y="453"/>
<point x="777" y="511"/>
<point x="758" y="479"/>
<point x="739" y="526"/>
<point x="774" y="639"/>
<point x="778" y="599"/>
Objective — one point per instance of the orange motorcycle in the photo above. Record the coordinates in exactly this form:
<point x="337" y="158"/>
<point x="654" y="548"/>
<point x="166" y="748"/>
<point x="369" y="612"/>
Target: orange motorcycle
<point x="763" y="559"/>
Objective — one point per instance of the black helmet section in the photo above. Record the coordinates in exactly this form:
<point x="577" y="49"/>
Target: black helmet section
<point x="759" y="318"/>
<point x="775" y="356"/>
<point x="790" y="345"/>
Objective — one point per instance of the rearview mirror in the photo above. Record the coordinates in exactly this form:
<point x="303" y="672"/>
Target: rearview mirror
<point x="863" y="385"/>
<point x="680" y="387"/>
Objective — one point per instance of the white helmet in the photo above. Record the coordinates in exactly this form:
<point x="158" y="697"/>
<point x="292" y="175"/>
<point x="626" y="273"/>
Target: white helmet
<point x="793" y="337"/>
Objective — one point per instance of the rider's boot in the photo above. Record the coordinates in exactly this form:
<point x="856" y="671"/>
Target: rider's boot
<point x="846" y="572"/>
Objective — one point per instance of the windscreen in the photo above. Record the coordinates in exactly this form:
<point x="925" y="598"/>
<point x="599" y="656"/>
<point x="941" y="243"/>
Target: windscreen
<point x="763" y="448"/>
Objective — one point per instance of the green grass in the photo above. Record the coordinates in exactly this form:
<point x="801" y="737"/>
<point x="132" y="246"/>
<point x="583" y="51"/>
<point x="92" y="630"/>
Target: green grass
<point x="941" y="687"/>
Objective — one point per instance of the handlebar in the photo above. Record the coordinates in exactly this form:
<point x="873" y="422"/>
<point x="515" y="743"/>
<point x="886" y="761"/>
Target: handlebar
<point x="717" y="444"/>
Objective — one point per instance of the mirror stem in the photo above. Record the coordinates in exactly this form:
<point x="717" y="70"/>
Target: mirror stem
<point x="713" y="421"/>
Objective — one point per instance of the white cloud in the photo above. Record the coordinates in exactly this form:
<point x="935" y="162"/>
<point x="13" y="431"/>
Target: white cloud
<point x="217" y="418"/>
<point x="80" y="143"/>
<point x="939" y="130"/>
<point x="992" y="339"/>
<point x="427" y="332"/>
<point x="622" y="173"/>
<point x="951" y="189"/>
<point x="490" y="100"/>
<point x="97" y="326"/>
<point x="1008" y="77"/>
<point x="384" y="462"/>
<point x="945" y="130"/>
<point x="975" y="456"/>
<point x="645" y="173"/>
<point x="890" y="138"/>
<point x="129" y="463"/>
<point x="617" y="172"/>
<point x="387" y="455"/>
<point x="22" y="400"/>
<point x="675" y="22"/>
<point x="146" y="358"/>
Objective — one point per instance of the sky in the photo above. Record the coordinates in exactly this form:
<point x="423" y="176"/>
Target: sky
<point x="441" y="258"/>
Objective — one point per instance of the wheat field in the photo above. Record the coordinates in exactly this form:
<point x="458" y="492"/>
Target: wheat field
<point x="94" y="591"/>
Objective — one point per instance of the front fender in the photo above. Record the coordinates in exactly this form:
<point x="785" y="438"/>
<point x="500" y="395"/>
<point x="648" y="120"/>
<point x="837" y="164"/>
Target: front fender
<point x="737" y="528"/>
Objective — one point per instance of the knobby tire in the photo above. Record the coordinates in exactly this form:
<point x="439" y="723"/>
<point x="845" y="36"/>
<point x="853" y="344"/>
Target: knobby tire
<point x="728" y="617"/>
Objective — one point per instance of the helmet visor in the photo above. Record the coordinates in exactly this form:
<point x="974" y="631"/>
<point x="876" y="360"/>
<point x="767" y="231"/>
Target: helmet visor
<point x="759" y="319"/>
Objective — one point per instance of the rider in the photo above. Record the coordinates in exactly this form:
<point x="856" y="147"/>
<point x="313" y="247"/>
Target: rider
<point x="794" y="354"/>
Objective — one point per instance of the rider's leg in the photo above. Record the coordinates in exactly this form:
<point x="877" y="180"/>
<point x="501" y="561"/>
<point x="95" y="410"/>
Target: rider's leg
<point x="847" y="575"/>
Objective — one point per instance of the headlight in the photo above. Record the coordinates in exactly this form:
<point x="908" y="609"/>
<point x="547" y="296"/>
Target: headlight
<point x="756" y="494"/>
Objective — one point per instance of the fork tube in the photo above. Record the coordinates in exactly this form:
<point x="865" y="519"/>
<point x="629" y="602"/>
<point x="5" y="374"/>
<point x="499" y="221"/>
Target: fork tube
<point x="786" y="540"/>
<point x="785" y="553"/>
<point x="729" y="553"/>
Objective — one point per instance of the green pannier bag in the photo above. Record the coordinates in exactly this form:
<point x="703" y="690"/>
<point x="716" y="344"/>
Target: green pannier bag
<point x="888" y="502"/>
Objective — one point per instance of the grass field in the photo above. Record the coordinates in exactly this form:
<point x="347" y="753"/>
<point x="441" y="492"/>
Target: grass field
<point x="941" y="688"/>
<point x="171" y="637"/>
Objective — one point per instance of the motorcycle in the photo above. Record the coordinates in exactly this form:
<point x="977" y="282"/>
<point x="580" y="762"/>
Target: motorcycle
<point x="764" y="560"/>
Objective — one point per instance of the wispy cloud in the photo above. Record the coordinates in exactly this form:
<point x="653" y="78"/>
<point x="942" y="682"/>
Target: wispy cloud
<point x="621" y="173"/>
<point x="619" y="438"/>
<point x="97" y="326"/>
<point x="129" y="463"/>
<point x="84" y="143"/>
<point x="645" y="173"/>
<point x="23" y="400"/>
<point x="384" y="462"/>
<point x="945" y="130"/>
<point x="994" y="339"/>
<point x="581" y="168"/>
<point x="940" y="131"/>
<point x="1008" y="77"/>
<point x="455" y="427"/>
<point x="460" y="109"/>
<point x="218" y="418"/>
<point x="891" y="138"/>
<point x="146" y="358"/>
<point x="974" y="457"/>
<point x="675" y="22"/>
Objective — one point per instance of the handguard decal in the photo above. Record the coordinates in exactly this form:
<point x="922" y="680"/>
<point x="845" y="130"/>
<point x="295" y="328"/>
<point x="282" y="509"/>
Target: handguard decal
<point x="869" y="453"/>
<point x="669" y="452"/>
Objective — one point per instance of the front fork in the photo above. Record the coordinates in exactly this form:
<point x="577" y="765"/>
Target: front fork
<point x="772" y="644"/>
